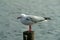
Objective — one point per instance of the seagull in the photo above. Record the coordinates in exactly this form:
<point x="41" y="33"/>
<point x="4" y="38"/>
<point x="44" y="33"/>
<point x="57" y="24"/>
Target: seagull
<point x="31" y="19"/>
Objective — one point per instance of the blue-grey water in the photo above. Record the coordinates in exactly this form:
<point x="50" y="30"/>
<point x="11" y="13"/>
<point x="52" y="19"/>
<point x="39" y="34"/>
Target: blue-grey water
<point x="12" y="29"/>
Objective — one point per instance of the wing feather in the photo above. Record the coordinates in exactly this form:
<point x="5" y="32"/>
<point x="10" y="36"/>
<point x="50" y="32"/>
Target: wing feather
<point x="35" y="19"/>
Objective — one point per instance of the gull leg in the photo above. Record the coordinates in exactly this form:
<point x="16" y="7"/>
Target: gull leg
<point x="30" y="28"/>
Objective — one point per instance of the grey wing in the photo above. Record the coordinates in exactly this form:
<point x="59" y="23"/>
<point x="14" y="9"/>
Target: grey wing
<point x="31" y="19"/>
<point x="35" y="19"/>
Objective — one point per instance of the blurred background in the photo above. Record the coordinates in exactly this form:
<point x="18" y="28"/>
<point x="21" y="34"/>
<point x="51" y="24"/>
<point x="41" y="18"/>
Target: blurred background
<point x="12" y="29"/>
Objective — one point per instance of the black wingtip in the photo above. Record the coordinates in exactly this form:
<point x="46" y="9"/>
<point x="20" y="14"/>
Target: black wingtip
<point x="47" y="18"/>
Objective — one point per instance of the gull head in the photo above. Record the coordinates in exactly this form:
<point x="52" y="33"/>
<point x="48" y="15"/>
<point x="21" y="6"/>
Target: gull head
<point x="22" y="15"/>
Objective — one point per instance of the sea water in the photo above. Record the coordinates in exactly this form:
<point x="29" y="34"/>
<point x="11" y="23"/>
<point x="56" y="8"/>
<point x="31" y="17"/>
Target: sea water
<point x="12" y="29"/>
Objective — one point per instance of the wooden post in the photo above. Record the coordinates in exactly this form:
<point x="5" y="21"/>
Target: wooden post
<point x="28" y="35"/>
